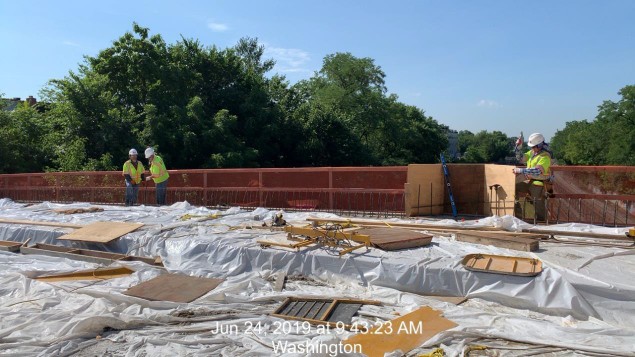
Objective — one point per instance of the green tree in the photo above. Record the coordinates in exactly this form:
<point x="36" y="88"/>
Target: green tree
<point x="608" y="140"/>
<point x="484" y="146"/>
<point x="21" y="133"/>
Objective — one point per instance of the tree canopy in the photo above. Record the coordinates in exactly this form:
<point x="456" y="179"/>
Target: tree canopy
<point x="607" y="140"/>
<point x="206" y="107"/>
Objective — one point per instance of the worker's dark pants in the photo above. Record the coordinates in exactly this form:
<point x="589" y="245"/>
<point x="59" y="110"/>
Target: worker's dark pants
<point x="131" y="193"/>
<point x="162" y="190"/>
<point x="537" y="194"/>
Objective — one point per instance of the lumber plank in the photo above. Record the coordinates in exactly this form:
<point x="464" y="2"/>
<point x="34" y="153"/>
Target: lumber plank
<point x="577" y="234"/>
<point x="401" y="225"/>
<point x="40" y="223"/>
<point x="92" y="274"/>
<point x="9" y="246"/>
<point x="456" y="300"/>
<point x="501" y="241"/>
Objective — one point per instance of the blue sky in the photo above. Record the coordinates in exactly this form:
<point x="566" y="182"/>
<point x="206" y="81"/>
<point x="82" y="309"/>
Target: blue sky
<point x="476" y="65"/>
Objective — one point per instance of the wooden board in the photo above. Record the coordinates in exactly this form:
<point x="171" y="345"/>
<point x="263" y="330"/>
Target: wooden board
<point x="418" y="226"/>
<point x="93" y="274"/>
<point x="552" y="232"/>
<point x="378" y="341"/>
<point x="501" y="201"/>
<point x="424" y="190"/>
<point x="39" y="223"/>
<point x="86" y="255"/>
<point x="78" y="210"/>
<point x="174" y="287"/>
<point x="101" y="232"/>
<point x="500" y="264"/>
<point x="9" y="246"/>
<point x="456" y="300"/>
<point x="396" y="238"/>
<point x="499" y="240"/>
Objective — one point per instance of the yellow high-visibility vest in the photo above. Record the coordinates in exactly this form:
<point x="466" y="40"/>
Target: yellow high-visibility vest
<point x="135" y="173"/>
<point x="542" y="159"/>
<point x="157" y="167"/>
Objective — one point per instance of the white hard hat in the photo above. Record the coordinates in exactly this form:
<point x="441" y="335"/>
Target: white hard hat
<point x="149" y="152"/>
<point x="132" y="152"/>
<point x="535" y="139"/>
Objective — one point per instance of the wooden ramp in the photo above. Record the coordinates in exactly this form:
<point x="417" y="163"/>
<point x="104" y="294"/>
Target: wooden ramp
<point x="396" y="238"/>
<point x="500" y="264"/>
<point x="174" y="287"/>
<point x="93" y="274"/>
<point x="101" y="232"/>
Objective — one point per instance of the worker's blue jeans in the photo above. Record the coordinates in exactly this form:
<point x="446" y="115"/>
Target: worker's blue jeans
<point x="131" y="193"/>
<point x="162" y="189"/>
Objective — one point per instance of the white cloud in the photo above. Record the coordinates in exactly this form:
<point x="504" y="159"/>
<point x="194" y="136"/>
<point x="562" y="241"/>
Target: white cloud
<point x="70" y="43"/>
<point x="288" y="59"/>
<point x="488" y="103"/>
<point x="217" y="26"/>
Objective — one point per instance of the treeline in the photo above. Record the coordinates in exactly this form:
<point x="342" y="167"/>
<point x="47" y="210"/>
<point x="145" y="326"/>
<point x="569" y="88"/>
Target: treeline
<point x="205" y="107"/>
<point x="607" y="140"/>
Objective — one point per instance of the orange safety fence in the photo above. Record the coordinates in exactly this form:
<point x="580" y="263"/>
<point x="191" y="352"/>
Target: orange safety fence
<point x="375" y="190"/>
<point x="601" y="195"/>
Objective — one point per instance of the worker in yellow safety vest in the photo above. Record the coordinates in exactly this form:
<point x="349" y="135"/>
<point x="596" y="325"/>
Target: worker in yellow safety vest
<point x="537" y="175"/>
<point x="133" y="173"/>
<point x="159" y="174"/>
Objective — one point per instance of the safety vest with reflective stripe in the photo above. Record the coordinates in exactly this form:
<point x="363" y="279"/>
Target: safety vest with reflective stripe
<point x="135" y="173"/>
<point x="543" y="159"/>
<point x="157" y="167"/>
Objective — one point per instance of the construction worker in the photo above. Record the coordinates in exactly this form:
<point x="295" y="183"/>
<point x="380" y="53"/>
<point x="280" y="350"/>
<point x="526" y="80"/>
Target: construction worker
<point x="159" y="174"/>
<point x="537" y="175"/>
<point x="133" y="173"/>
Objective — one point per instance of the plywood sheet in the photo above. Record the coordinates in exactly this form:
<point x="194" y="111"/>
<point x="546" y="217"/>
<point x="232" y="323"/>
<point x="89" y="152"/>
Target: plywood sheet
<point x="378" y="341"/>
<point x="510" y="241"/>
<point x="424" y="190"/>
<point x="93" y="274"/>
<point x="396" y="238"/>
<point x="101" y="232"/>
<point x="502" y="198"/>
<point x="174" y="287"/>
<point x="500" y="264"/>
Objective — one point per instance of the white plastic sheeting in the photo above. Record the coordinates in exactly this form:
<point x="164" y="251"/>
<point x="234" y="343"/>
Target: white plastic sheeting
<point x="590" y="309"/>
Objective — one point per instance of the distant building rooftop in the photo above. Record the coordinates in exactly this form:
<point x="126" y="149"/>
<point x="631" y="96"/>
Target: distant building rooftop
<point x="9" y="104"/>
